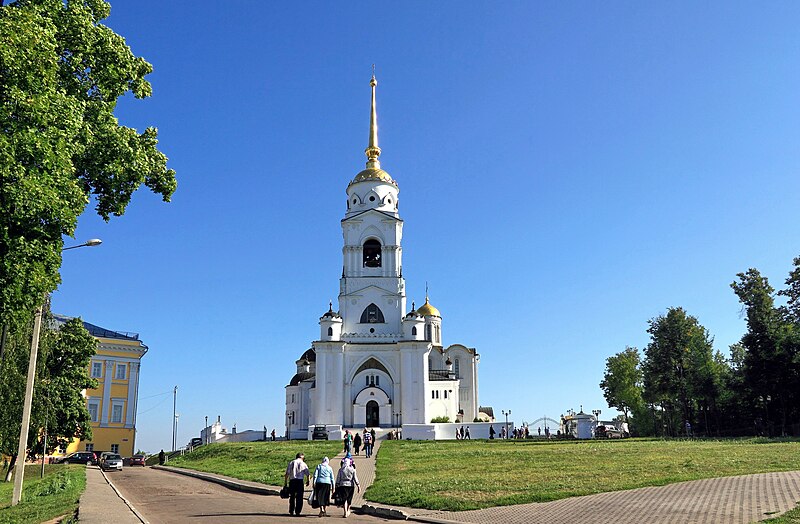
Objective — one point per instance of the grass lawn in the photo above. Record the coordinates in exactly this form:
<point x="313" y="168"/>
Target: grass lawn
<point x="453" y="475"/>
<point x="44" y="499"/>
<point x="790" y="517"/>
<point x="263" y="462"/>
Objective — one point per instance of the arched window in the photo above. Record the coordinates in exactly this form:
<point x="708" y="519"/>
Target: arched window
<point x="330" y="331"/>
<point x="372" y="253"/>
<point x="438" y="337"/>
<point x="372" y="315"/>
<point x="414" y="331"/>
<point x="427" y="332"/>
<point x="457" y="368"/>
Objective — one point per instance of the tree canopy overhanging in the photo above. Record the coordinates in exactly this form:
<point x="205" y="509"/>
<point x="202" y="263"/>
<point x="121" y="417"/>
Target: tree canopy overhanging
<point x="61" y="74"/>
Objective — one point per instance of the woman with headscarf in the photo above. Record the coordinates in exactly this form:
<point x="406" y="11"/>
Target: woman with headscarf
<point x="346" y="482"/>
<point x="323" y="486"/>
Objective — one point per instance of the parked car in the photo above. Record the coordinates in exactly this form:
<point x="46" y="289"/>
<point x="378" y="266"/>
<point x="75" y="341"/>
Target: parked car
<point x="196" y="441"/>
<point x="612" y="432"/>
<point x="319" y="433"/>
<point x="79" y="457"/>
<point x="138" y="460"/>
<point x="600" y="431"/>
<point x="111" y="461"/>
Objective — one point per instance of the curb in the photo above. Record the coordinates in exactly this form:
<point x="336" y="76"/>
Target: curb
<point x="386" y="513"/>
<point x="228" y="483"/>
<point x="127" y="503"/>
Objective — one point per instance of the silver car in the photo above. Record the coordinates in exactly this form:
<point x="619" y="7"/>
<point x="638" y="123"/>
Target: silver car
<point x="111" y="461"/>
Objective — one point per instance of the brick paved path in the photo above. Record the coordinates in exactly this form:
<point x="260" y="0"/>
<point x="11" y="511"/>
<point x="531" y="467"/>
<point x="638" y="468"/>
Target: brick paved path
<point x="365" y="469"/>
<point x="742" y="499"/>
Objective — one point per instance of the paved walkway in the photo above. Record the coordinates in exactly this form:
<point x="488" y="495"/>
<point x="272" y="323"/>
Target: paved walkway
<point x="101" y="504"/>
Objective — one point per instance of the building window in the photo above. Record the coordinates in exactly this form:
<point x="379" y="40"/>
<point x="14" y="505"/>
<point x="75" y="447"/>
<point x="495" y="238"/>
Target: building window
<point x="94" y="410"/>
<point x="292" y="397"/>
<point x="433" y="394"/>
<point x="427" y="331"/>
<point x="372" y="315"/>
<point x="437" y="393"/>
<point x="367" y="377"/>
<point x="114" y="448"/>
<point x="97" y="369"/>
<point x="457" y="368"/>
<point x="372" y="253"/>
<point x="414" y="331"/>
<point x="116" y="413"/>
<point x="90" y="447"/>
<point x="121" y="371"/>
<point x="330" y="331"/>
<point x="377" y="380"/>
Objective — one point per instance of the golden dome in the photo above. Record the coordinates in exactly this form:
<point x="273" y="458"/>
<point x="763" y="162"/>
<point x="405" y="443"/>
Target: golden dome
<point x="428" y="310"/>
<point x="373" y="174"/>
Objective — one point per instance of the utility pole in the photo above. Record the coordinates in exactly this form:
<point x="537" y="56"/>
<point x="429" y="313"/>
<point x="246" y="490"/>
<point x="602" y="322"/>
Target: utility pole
<point x="174" y="418"/>
<point x="19" y="466"/>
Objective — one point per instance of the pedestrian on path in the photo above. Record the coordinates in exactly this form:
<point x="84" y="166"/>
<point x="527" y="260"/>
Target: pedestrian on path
<point x="348" y="441"/>
<point x="367" y="443"/>
<point x="161" y="458"/>
<point x="357" y="442"/>
<point x="273" y="434"/>
<point x="296" y="471"/>
<point x="466" y="434"/>
<point x="346" y="483"/>
<point x="491" y="432"/>
<point x="323" y="486"/>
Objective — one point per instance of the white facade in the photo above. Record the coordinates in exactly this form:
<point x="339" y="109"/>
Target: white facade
<point x="375" y="364"/>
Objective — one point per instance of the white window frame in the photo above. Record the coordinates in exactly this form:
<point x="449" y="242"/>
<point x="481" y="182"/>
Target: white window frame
<point x="114" y="405"/>
<point x="124" y="369"/>
<point x="96" y="404"/>
<point x="114" y="448"/>
<point x="97" y="369"/>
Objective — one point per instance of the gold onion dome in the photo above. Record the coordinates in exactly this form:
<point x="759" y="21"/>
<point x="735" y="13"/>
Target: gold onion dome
<point x="427" y="310"/>
<point x="373" y="152"/>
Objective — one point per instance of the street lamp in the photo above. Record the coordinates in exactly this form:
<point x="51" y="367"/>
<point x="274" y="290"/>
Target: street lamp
<point x="205" y="431"/>
<point x="506" y="413"/>
<point x="19" y="472"/>
<point x="174" y="418"/>
<point x="596" y="413"/>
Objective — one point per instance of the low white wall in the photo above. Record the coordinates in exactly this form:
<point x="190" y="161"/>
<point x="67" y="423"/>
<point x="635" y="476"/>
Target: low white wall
<point x="448" y="431"/>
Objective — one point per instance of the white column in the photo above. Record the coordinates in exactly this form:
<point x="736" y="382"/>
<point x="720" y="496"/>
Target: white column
<point x="133" y="386"/>
<point x="107" y="392"/>
<point x="335" y="392"/>
<point x="320" y="405"/>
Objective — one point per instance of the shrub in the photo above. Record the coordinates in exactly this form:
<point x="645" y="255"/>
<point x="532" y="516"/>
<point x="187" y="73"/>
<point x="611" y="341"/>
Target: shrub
<point x="436" y="420"/>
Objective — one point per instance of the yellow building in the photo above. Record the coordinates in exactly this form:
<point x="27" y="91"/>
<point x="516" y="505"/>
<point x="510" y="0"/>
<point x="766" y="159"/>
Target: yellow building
<point x="112" y="406"/>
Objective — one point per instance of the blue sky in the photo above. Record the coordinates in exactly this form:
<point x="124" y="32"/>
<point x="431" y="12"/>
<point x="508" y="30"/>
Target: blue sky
<point x="566" y="172"/>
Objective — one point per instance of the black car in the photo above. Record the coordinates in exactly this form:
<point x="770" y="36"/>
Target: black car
<point x="319" y="433"/>
<point x="79" y="457"/>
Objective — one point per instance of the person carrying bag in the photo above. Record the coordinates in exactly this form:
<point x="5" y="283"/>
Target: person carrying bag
<point x="346" y="483"/>
<point x="323" y="487"/>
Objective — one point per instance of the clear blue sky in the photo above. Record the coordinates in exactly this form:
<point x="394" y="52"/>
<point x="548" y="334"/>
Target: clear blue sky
<point x="566" y="173"/>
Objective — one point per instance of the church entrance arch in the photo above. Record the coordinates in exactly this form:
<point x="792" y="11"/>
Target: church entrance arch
<point x="373" y="418"/>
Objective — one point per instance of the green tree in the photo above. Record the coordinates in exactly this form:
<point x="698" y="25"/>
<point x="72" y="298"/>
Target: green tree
<point x="622" y="382"/>
<point x="771" y="360"/>
<point x="63" y="371"/>
<point x="678" y="368"/>
<point x="61" y="73"/>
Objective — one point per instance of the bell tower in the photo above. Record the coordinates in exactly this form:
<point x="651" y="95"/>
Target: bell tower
<point x="372" y="296"/>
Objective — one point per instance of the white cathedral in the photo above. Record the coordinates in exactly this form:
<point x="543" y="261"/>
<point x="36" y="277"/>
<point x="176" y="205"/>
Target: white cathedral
<point x="374" y="365"/>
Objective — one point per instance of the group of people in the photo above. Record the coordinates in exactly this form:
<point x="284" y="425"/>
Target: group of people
<point x="341" y="486"/>
<point x="354" y="441"/>
<point x="462" y="434"/>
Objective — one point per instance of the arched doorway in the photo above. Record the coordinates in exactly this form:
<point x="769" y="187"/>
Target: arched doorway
<point x="373" y="414"/>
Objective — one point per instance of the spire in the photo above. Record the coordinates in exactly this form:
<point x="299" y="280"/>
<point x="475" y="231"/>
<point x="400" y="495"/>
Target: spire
<point x="373" y="151"/>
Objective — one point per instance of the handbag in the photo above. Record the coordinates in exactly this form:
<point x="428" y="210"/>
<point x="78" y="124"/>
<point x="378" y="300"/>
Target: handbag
<point x="312" y="500"/>
<point x="339" y="496"/>
<point x="285" y="492"/>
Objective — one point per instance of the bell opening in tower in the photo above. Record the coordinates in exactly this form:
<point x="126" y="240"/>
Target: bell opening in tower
<point x="372" y="253"/>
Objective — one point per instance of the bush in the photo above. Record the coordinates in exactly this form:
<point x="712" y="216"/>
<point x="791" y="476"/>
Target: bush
<point x="437" y="420"/>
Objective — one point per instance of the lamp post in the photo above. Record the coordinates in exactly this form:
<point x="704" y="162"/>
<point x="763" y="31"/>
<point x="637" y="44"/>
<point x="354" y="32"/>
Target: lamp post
<point x="177" y="416"/>
<point x="19" y="472"/>
<point x="506" y="413"/>
<point x="596" y="413"/>
<point x="205" y="431"/>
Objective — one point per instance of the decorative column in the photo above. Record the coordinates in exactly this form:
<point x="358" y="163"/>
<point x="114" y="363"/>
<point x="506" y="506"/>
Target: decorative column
<point x="107" y="392"/>
<point x="133" y="386"/>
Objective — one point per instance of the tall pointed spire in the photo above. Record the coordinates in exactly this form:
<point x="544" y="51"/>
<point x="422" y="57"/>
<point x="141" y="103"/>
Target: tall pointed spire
<point x="373" y="151"/>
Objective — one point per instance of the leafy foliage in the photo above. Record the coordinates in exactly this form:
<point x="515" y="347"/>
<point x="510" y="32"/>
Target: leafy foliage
<point x="61" y="73"/>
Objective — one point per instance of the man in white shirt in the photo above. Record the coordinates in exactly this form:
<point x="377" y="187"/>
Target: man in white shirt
<point x="295" y="471"/>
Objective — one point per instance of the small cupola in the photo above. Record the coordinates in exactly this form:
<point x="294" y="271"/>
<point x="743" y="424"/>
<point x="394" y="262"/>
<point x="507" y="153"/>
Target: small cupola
<point x="413" y="325"/>
<point x="330" y="324"/>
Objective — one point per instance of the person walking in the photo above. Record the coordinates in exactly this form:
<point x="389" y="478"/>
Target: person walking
<point x="491" y="432"/>
<point x="367" y="443"/>
<point x="323" y="486"/>
<point x="346" y="483"/>
<point x="296" y="471"/>
<point x="161" y="457"/>
<point x="466" y="434"/>
<point x="357" y="442"/>
<point x="348" y="441"/>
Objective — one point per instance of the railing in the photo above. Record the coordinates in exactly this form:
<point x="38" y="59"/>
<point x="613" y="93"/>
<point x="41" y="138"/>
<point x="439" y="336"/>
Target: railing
<point x="441" y="374"/>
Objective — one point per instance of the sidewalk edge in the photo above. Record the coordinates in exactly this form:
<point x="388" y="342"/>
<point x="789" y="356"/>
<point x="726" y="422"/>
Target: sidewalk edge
<point x="127" y="503"/>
